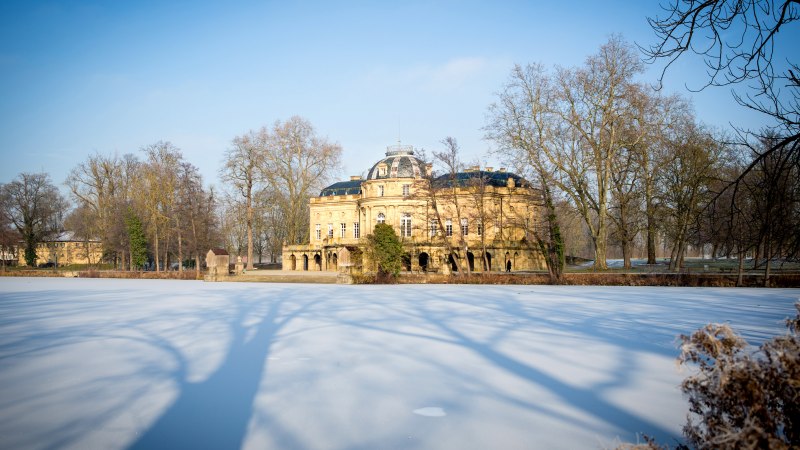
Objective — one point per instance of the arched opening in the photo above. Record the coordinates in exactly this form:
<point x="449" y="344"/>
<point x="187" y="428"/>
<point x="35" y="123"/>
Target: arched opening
<point x="335" y="261"/>
<point x="423" y="261"/>
<point x="381" y="218"/>
<point x="305" y="262"/>
<point x="406" y="262"/>
<point x="487" y="262"/>
<point x="471" y="261"/>
<point x="508" y="262"/>
<point x="452" y="261"/>
<point x="317" y="262"/>
<point x="293" y="262"/>
<point x="516" y="261"/>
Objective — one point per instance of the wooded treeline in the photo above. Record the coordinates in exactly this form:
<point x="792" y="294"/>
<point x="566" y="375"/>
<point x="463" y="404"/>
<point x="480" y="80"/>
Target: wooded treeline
<point x="613" y="161"/>
<point x="639" y="167"/>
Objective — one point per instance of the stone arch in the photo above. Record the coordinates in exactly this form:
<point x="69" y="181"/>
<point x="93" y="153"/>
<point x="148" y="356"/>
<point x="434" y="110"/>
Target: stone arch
<point x="305" y="262"/>
<point x="471" y="261"/>
<point x="335" y="259"/>
<point x="516" y="261"/>
<point x="453" y="264"/>
<point x="424" y="258"/>
<point x="508" y="265"/>
<point x="487" y="262"/>
<point x="317" y="262"/>
<point x="406" y="259"/>
<point x="293" y="262"/>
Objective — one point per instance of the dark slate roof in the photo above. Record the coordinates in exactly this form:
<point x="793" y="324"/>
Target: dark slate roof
<point x="342" y="188"/>
<point x="400" y="165"/>
<point x="499" y="179"/>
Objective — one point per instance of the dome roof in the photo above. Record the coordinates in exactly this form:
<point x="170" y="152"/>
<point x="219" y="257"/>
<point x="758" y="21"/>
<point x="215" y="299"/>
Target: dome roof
<point x="399" y="162"/>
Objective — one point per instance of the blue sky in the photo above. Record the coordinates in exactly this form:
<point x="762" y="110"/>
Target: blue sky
<point x="78" y="77"/>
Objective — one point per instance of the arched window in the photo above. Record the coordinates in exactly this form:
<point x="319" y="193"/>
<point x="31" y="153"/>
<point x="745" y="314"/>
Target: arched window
<point x="405" y="225"/>
<point x="381" y="218"/>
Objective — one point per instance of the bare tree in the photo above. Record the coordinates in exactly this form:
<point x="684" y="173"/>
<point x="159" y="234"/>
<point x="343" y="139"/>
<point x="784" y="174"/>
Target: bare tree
<point x="35" y="207"/>
<point x="243" y="170"/>
<point x="573" y="125"/>
<point x="102" y="187"/>
<point x="737" y="41"/>
<point x="9" y="236"/>
<point x="296" y="165"/>
<point x="480" y="209"/>
<point x="448" y="187"/>
<point x="686" y="185"/>
<point x="158" y="182"/>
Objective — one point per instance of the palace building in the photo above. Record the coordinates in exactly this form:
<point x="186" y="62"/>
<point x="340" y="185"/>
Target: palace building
<point x="65" y="249"/>
<point x="476" y="220"/>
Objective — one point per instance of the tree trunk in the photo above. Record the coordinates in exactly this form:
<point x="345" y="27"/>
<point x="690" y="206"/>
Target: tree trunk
<point x="155" y="250"/>
<point x="651" y="234"/>
<point x="180" y="252"/>
<point x="768" y="256"/>
<point x="599" y="253"/>
<point x="741" y="268"/>
<point x="250" y="232"/>
<point x="626" y="256"/>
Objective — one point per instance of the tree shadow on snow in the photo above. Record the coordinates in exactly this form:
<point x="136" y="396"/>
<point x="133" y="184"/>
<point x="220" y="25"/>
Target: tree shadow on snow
<point x="214" y="413"/>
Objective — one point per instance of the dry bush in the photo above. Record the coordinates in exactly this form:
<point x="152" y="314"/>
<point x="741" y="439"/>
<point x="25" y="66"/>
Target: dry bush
<point x="133" y="274"/>
<point x="740" y="398"/>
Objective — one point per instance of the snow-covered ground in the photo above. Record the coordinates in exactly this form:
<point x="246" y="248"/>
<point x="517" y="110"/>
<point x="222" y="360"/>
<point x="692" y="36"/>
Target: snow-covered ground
<point x="148" y="364"/>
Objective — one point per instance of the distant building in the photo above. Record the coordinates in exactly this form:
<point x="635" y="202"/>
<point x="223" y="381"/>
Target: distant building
<point x="65" y="249"/>
<point x="494" y="213"/>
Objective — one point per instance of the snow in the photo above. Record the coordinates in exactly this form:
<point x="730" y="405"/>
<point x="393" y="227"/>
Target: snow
<point x="94" y="363"/>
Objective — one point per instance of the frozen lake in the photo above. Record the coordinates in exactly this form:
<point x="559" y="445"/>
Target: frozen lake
<point x="114" y="364"/>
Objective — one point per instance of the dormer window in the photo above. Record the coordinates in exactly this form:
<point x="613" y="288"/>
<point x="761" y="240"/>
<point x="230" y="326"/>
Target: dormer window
<point x="382" y="170"/>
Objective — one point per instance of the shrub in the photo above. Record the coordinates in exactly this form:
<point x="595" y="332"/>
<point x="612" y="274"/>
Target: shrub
<point x="385" y="249"/>
<point x="740" y="398"/>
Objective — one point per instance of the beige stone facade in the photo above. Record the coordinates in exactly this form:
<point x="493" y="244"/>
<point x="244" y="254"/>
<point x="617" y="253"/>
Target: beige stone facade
<point x="65" y="250"/>
<point x="491" y="211"/>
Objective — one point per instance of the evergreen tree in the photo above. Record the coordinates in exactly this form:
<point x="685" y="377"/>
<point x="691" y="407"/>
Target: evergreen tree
<point x="386" y="250"/>
<point x="137" y="240"/>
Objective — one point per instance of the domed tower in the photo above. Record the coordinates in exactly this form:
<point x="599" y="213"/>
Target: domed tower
<point x="394" y="175"/>
<point x="399" y="162"/>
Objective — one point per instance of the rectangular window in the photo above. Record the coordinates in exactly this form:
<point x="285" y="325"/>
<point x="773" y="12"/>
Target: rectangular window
<point x="406" y="190"/>
<point x="464" y="227"/>
<point x="317" y="232"/>
<point x="380" y="191"/>
<point x="344" y="230"/>
<point x="434" y="226"/>
<point x="448" y="227"/>
<point x="356" y="230"/>
<point x="330" y="230"/>
<point x="405" y="225"/>
<point x="480" y="228"/>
